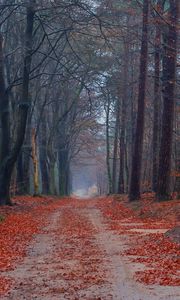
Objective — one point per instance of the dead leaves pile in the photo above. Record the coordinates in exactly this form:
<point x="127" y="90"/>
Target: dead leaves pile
<point x="16" y="231"/>
<point x="157" y="252"/>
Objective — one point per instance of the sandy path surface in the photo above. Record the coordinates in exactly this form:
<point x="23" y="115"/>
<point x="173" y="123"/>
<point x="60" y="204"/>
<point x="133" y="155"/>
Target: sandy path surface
<point x="121" y="270"/>
<point x="77" y="257"/>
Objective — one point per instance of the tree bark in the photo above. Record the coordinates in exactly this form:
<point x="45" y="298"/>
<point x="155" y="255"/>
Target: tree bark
<point x="108" y="148"/>
<point x="157" y="99"/>
<point x="63" y="171"/>
<point x="5" y="130"/>
<point x="177" y="183"/>
<point x="121" y="183"/>
<point x="51" y="157"/>
<point x="52" y="185"/>
<point x="35" y="163"/>
<point x="169" y="78"/>
<point x="43" y="155"/>
<point x="115" y="152"/>
<point x="10" y="157"/>
<point x="134" y="191"/>
<point x="23" y="162"/>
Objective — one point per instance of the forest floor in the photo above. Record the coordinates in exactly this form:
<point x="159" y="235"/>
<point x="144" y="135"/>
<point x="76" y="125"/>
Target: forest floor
<point x="91" y="249"/>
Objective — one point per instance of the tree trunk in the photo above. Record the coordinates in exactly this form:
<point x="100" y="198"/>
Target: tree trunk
<point x="126" y="169"/>
<point x="35" y="163"/>
<point x="51" y="158"/>
<point x="5" y="132"/>
<point x="134" y="191"/>
<point x="157" y="98"/>
<point x="121" y="185"/>
<point x="177" y="183"/>
<point x="52" y="185"/>
<point x="108" y="148"/>
<point x="169" y="77"/>
<point x="63" y="171"/>
<point x="44" y="171"/>
<point x="115" y="152"/>
<point x="20" y="175"/>
<point x="121" y="170"/>
<point x="43" y="155"/>
<point x="23" y="162"/>
<point x="8" y="162"/>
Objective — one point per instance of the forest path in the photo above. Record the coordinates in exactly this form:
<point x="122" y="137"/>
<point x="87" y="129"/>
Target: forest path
<point x="77" y="257"/>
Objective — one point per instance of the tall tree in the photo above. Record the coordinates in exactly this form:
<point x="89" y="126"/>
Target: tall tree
<point x="134" y="190"/>
<point x="157" y="94"/>
<point x="121" y="183"/>
<point x="107" y="110"/>
<point x="9" y="158"/>
<point x="5" y="123"/>
<point x="168" y="81"/>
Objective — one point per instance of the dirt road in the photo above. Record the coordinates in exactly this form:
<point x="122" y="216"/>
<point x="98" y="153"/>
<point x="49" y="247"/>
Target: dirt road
<point x="77" y="257"/>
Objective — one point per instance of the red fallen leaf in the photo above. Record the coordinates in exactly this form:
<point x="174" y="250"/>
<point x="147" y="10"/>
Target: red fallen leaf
<point x="157" y="276"/>
<point x="5" y="284"/>
<point x="154" y="250"/>
<point x="78" y="234"/>
<point x="20" y="224"/>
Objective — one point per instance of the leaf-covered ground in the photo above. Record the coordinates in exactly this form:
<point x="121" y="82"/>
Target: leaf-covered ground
<point x="145" y="223"/>
<point x="101" y="248"/>
<point x="18" y="226"/>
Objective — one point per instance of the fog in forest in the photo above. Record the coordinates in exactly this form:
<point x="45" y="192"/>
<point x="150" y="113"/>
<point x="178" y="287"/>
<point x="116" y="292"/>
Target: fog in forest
<point x="89" y="98"/>
<point x="89" y="149"/>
